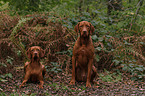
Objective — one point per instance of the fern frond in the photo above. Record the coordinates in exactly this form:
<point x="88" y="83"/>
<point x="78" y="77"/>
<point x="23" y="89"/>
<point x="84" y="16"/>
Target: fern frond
<point x="138" y="54"/>
<point x="17" y="42"/>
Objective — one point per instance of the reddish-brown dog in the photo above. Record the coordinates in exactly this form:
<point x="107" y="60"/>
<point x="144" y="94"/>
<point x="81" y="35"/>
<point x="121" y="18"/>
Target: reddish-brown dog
<point x="34" y="70"/>
<point x="83" y="55"/>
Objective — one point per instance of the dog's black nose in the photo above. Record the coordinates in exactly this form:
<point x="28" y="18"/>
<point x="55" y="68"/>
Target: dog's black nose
<point x="85" y="32"/>
<point x="35" y="54"/>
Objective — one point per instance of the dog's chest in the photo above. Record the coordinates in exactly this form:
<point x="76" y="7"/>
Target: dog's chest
<point x="34" y="74"/>
<point x="84" y="52"/>
<point x="34" y="69"/>
<point x="82" y="56"/>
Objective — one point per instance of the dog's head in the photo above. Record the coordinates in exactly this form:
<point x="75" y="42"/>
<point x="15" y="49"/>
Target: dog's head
<point x="35" y="52"/>
<point x="85" y="28"/>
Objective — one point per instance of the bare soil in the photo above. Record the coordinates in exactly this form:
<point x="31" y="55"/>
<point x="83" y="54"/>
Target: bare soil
<point x="58" y="84"/>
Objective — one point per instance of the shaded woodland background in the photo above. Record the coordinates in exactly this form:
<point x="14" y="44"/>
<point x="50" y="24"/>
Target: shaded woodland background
<point x="119" y="41"/>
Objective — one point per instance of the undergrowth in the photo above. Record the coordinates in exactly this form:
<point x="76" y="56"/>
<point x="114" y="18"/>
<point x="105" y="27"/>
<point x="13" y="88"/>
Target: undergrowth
<point x="119" y="39"/>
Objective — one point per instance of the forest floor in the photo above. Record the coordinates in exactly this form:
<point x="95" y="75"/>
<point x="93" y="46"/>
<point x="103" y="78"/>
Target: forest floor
<point x="58" y="84"/>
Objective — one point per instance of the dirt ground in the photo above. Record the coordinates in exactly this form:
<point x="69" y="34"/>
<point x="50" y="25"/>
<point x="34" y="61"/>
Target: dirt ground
<point x="58" y="84"/>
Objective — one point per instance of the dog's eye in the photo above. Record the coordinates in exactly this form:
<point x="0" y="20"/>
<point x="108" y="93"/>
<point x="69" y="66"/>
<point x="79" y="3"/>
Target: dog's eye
<point x="37" y="49"/>
<point x="32" y="50"/>
<point x="81" y="26"/>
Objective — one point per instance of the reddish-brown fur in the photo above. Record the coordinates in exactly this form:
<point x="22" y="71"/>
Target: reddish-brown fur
<point x="83" y="55"/>
<point x="34" y="70"/>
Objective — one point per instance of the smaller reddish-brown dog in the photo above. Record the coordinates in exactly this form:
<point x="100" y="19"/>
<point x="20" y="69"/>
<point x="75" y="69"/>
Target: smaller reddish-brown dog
<point x="34" y="70"/>
<point x="83" y="55"/>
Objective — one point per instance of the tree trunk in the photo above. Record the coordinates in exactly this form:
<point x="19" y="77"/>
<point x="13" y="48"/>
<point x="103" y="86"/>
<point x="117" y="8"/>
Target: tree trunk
<point x="33" y="4"/>
<point x="114" y="5"/>
<point x="80" y="6"/>
<point x="141" y="2"/>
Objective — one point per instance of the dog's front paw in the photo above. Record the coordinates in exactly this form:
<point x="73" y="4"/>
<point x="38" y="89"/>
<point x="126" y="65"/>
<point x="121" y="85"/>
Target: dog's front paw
<point x="88" y="84"/>
<point x="72" y="82"/>
<point x="40" y="86"/>
<point x="21" y="86"/>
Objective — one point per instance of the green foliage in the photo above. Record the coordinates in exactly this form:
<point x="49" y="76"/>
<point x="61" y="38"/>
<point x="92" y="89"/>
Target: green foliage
<point x="117" y="62"/>
<point x="4" y="5"/>
<point x="127" y="22"/>
<point x="9" y="60"/>
<point x="53" y="68"/>
<point x="63" y="87"/>
<point x="3" y="94"/>
<point x="19" y="53"/>
<point x="136" y="71"/>
<point x="110" y="77"/>
<point x="3" y="64"/>
<point x="15" y="94"/>
<point x="3" y="77"/>
<point x="18" y="42"/>
<point x="68" y="52"/>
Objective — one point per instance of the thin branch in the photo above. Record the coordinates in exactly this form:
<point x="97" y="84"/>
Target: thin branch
<point x="135" y="15"/>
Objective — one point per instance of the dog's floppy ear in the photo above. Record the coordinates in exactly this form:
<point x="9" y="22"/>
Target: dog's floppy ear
<point x="92" y="29"/>
<point x="28" y="53"/>
<point x="42" y="52"/>
<point x="77" y="27"/>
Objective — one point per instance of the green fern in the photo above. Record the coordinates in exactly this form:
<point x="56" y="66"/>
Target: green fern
<point x="18" y="42"/>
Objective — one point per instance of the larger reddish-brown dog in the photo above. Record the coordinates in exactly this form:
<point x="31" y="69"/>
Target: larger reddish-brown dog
<point x="83" y="55"/>
<point x="34" y="70"/>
